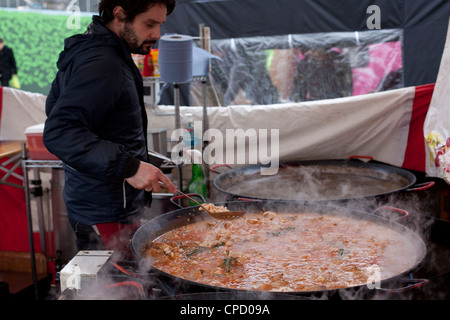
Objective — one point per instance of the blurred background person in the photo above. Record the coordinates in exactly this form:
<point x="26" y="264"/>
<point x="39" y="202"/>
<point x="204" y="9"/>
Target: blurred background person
<point x="8" y="67"/>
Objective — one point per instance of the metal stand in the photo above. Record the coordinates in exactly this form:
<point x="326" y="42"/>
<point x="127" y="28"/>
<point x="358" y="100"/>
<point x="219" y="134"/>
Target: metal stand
<point x="35" y="164"/>
<point x="10" y="172"/>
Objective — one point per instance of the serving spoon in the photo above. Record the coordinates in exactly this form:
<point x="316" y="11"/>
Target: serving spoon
<point x="225" y="215"/>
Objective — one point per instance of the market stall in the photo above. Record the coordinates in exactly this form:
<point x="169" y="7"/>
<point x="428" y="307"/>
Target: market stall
<point x="291" y="111"/>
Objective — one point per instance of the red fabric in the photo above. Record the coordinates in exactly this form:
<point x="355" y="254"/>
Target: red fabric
<point x="117" y="236"/>
<point x="415" y="149"/>
<point x="13" y="216"/>
<point x="1" y="104"/>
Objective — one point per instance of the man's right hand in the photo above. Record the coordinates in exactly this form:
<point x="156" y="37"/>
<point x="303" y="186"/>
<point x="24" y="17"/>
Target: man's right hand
<point x="148" y="177"/>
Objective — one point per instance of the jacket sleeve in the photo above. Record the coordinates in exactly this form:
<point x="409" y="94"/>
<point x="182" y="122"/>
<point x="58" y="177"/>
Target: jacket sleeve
<point x="76" y="108"/>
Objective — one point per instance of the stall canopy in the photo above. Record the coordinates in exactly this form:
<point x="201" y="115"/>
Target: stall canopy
<point x="300" y="50"/>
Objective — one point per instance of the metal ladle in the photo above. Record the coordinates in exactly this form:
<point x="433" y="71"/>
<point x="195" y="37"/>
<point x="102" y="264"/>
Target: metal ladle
<point x="225" y="215"/>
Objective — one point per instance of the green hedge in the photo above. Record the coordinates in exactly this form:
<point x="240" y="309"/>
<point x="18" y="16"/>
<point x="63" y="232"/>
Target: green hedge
<point x="37" y="38"/>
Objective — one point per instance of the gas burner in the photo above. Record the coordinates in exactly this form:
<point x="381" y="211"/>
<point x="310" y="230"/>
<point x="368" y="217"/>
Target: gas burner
<point x="96" y="275"/>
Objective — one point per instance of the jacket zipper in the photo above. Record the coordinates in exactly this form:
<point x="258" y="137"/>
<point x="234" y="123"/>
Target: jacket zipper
<point x="124" y="195"/>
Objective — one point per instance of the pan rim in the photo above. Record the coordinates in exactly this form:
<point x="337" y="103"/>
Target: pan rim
<point x="224" y="177"/>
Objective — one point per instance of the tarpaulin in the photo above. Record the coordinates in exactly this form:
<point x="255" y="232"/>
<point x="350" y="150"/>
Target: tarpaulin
<point x="424" y="23"/>
<point x="386" y="126"/>
<point x="19" y="110"/>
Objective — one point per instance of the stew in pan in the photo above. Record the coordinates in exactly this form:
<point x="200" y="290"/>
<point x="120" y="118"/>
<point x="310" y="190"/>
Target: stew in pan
<point x="286" y="252"/>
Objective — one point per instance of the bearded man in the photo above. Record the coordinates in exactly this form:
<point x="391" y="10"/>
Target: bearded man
<point x="97" y="124"/>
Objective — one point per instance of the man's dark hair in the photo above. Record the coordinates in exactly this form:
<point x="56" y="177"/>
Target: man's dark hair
<point x="131" y="7"/>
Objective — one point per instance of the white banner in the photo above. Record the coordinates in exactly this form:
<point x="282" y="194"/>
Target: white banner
<point x="18" y="110"/>
<point x="437" y="122"/>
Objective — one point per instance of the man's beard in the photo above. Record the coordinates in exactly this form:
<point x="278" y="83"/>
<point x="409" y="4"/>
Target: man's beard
<point x="129" y="36"/>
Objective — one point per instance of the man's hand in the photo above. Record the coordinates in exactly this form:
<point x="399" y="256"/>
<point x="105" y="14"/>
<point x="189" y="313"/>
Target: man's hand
<point x="148" y="176"/>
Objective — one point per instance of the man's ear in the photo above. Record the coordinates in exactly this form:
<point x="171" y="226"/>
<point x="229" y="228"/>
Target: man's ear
<point x="119" y="14"/>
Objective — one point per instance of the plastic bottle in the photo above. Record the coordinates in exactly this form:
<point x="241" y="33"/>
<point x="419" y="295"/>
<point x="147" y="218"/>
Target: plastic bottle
<point x="154" y="54"/>
<point x="191" y="137"/>
<point x="197" y="184"/>
<point x="147" y="69"/>
<point x="188" y="137"/>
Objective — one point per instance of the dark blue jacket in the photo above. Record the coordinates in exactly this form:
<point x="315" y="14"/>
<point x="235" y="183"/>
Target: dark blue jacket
<point x="96" y="124"/>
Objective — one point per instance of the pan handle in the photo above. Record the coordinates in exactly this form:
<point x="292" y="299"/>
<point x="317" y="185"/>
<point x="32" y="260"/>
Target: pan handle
<point x="213" y="168"/>
<point x="133" y="284"/>
<point x="404" y="213"/>
<point x="422" y="186"/>
<point x="180" y="196"/>
<point x="356" y="156"/>
<point x="409" y="284"/>
<point x="247" y="199"/>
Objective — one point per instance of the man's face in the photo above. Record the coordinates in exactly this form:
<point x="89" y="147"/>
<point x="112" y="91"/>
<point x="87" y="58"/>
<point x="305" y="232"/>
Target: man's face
<point x="1" y="46"/>
<point x="144" y="30"/>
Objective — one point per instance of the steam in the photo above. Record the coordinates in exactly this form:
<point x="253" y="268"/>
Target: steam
<point x="419" y="206"/>
<point x="315" y="182"/>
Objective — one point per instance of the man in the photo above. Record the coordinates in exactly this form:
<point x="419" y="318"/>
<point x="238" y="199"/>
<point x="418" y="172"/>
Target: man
<point x="8" y="66"/>
<point x="97" y="124"/>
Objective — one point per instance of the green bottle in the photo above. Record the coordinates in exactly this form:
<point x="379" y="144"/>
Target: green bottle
<point x="197" y="184"/>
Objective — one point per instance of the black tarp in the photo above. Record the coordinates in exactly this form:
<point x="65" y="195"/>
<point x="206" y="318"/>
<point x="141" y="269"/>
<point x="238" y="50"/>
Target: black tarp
<point x="424" y="24"/>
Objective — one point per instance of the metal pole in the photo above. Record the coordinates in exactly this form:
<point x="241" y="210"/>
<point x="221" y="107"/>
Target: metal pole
<point x="176" y="87"/>
<point x="30" y="222"/>
<point x="38" y="193"/>
<point x="205" y="127"/>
